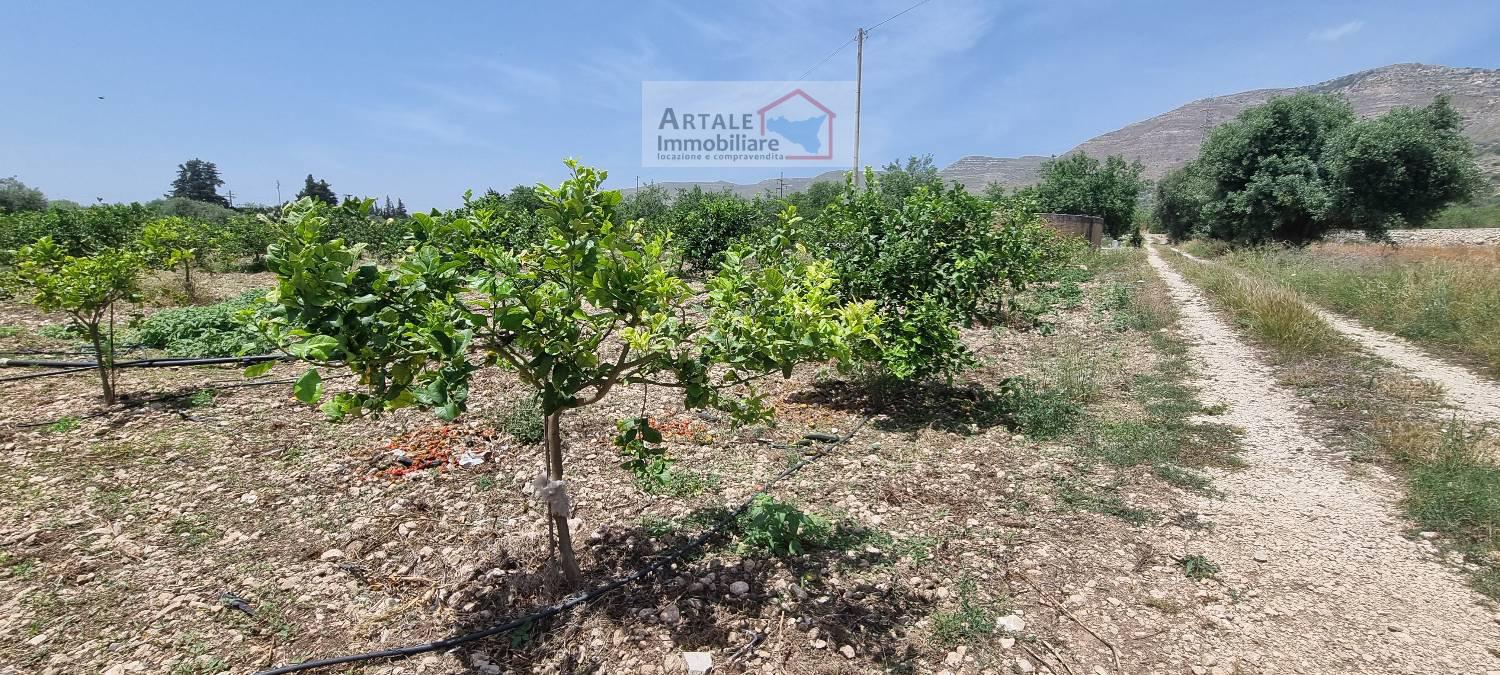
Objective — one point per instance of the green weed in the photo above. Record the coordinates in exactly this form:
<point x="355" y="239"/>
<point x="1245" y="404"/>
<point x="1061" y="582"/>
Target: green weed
<point x="1197" y="567"/>
<point x="522" y="419"/>
<point x="1074" y="494"/>
<point x="971" y="622"/>
<point x="63" y="425"/>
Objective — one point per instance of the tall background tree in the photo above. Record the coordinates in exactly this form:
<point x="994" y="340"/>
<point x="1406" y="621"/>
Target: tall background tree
<point x="199" y="181"/>
<point x="1298" y="166"/>
<point x="1080" y="184"/>
<point x="319" y="190"/>
<point x="16" y="196"/>
<point x="1403" y="167"/>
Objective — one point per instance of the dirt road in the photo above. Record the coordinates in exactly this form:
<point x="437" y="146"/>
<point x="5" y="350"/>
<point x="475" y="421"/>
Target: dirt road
<point x="1326" y="581"/>
<point x="1473" y="398"/>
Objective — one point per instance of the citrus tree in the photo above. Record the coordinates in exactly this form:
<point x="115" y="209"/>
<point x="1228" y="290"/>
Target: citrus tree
<point x="174" y="243"/>
<point x="932" y="261"/>
<point x="592" y="305"/>
<point x="86" y="288"/>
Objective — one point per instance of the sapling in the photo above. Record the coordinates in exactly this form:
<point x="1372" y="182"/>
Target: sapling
<point x="86" y="288"/>
<point x="592" y="305"/>
<point x="174" y="243"/>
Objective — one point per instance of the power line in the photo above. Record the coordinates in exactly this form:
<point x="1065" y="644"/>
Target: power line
<point x="871" y="29"/>
<point x="825" y="59"/>
<point x="851" y="41"/>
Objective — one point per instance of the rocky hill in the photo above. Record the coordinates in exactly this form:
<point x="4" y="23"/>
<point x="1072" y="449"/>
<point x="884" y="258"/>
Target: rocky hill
<point x="1171" y="139"/>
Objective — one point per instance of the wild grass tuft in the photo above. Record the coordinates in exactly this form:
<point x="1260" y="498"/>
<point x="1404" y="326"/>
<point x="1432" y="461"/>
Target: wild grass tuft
<point x="972" y="621"/>
<point x="1443" y="297"/>
<point x="1274" y="314"/>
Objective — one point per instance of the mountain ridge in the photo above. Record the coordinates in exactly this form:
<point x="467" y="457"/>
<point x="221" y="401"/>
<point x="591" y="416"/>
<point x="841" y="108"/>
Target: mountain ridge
<point x="1168" y="140"/>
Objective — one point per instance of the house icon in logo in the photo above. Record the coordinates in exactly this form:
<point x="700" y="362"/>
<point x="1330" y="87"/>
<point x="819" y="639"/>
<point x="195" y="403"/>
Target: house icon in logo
<point x="802" y="132"/>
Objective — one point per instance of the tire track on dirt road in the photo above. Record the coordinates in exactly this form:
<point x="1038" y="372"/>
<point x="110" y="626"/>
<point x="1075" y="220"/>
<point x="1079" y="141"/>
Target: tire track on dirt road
<point x="1325" y="582"/>
<point x="1474" y="398"/>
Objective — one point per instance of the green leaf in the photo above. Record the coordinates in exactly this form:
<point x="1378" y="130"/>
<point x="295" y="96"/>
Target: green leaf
<point x="259" y="369"/>
<point x="316" y="348"/>
<point x="308" y="387"/>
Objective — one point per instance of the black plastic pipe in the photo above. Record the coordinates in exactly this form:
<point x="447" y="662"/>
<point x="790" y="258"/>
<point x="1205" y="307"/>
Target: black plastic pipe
<point x="142" y="363"/>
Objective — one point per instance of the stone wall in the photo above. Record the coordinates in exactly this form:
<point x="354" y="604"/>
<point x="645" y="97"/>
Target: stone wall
<point x="1479" y="236"/>
<point x="1088" y="227"/>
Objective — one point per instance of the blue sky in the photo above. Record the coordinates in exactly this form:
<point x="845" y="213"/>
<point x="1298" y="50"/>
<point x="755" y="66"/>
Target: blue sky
<point x="425" y="100"/>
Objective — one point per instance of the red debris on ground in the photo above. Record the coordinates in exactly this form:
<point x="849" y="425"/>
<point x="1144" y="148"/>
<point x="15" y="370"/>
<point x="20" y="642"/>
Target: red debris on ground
<point x="430" y="448"/>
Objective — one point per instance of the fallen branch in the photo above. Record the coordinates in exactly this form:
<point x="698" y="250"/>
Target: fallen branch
<point x="1053" y="603"/>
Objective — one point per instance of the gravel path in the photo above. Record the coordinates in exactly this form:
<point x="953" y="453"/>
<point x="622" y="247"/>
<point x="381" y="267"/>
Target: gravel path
<point x="1474" y="398"/>
<point x="1326" y="582"/>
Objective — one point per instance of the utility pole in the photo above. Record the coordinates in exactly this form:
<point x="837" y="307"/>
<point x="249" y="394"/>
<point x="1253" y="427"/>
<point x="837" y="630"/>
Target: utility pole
<point x="859" y="80"/>
<point x="278" y="193"/>
<point x="781" y="185"/>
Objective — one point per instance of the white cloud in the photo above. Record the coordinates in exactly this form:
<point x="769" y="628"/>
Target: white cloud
<point x="464" y="98"/>
<point x="523" y="80"/>
<point x="425" y="125"/>
<point x="1338" y="32"/>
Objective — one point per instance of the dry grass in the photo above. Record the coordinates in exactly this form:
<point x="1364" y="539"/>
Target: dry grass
<point x="1443" y="297"/>
<point x="1276" y="315"/>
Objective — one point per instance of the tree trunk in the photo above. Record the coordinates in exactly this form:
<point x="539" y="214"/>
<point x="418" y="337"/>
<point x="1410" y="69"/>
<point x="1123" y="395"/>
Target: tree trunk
<point x="106" y="363"/>
<point x="552" y="437"/>
<point x="187" y="280"/>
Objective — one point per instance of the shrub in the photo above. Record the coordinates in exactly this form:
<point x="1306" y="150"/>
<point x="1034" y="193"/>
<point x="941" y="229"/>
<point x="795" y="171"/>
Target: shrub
<point x="352" y="224"/>
<point x="522" y="419"/>
<point x="1078" y="183"/>
<point x="221" y="329"/>
<point x="940" y="260"/>
<point x="76" y="232"/>
<point x="178" y="243"/>
<point x="706" y="224"/>
<point x="247" y="237"/>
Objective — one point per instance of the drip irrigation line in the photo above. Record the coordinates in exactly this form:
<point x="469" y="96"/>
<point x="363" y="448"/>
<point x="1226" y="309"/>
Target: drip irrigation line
<point x="66" y="352"/>
<point x="46" y="373"/>
<point x="578" y="598"/>
<point x="143" y="363"/>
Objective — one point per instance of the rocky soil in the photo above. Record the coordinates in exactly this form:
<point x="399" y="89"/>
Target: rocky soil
<point x="1478" y="236"/>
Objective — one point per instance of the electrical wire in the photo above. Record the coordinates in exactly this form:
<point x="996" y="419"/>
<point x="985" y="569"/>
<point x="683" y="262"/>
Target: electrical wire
<point x="825" y="59"/>
<point x="578" y="598"/>
<point x="867" y="31"/>
<point x="871" y="29"/>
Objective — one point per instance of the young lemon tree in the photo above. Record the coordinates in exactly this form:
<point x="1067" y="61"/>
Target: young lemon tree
<point x="173" y="243"/>
<point x="86" y="288"/>
<point x="593" y="305"/>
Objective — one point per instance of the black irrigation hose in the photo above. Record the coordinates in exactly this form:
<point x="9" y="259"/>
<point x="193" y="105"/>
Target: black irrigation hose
<point x="46" y="373"/>
<point x="62" y="352"/>
<point x="140" y="363"/>
<point x="144" y="363"/>
<point x="578" y="598"/>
